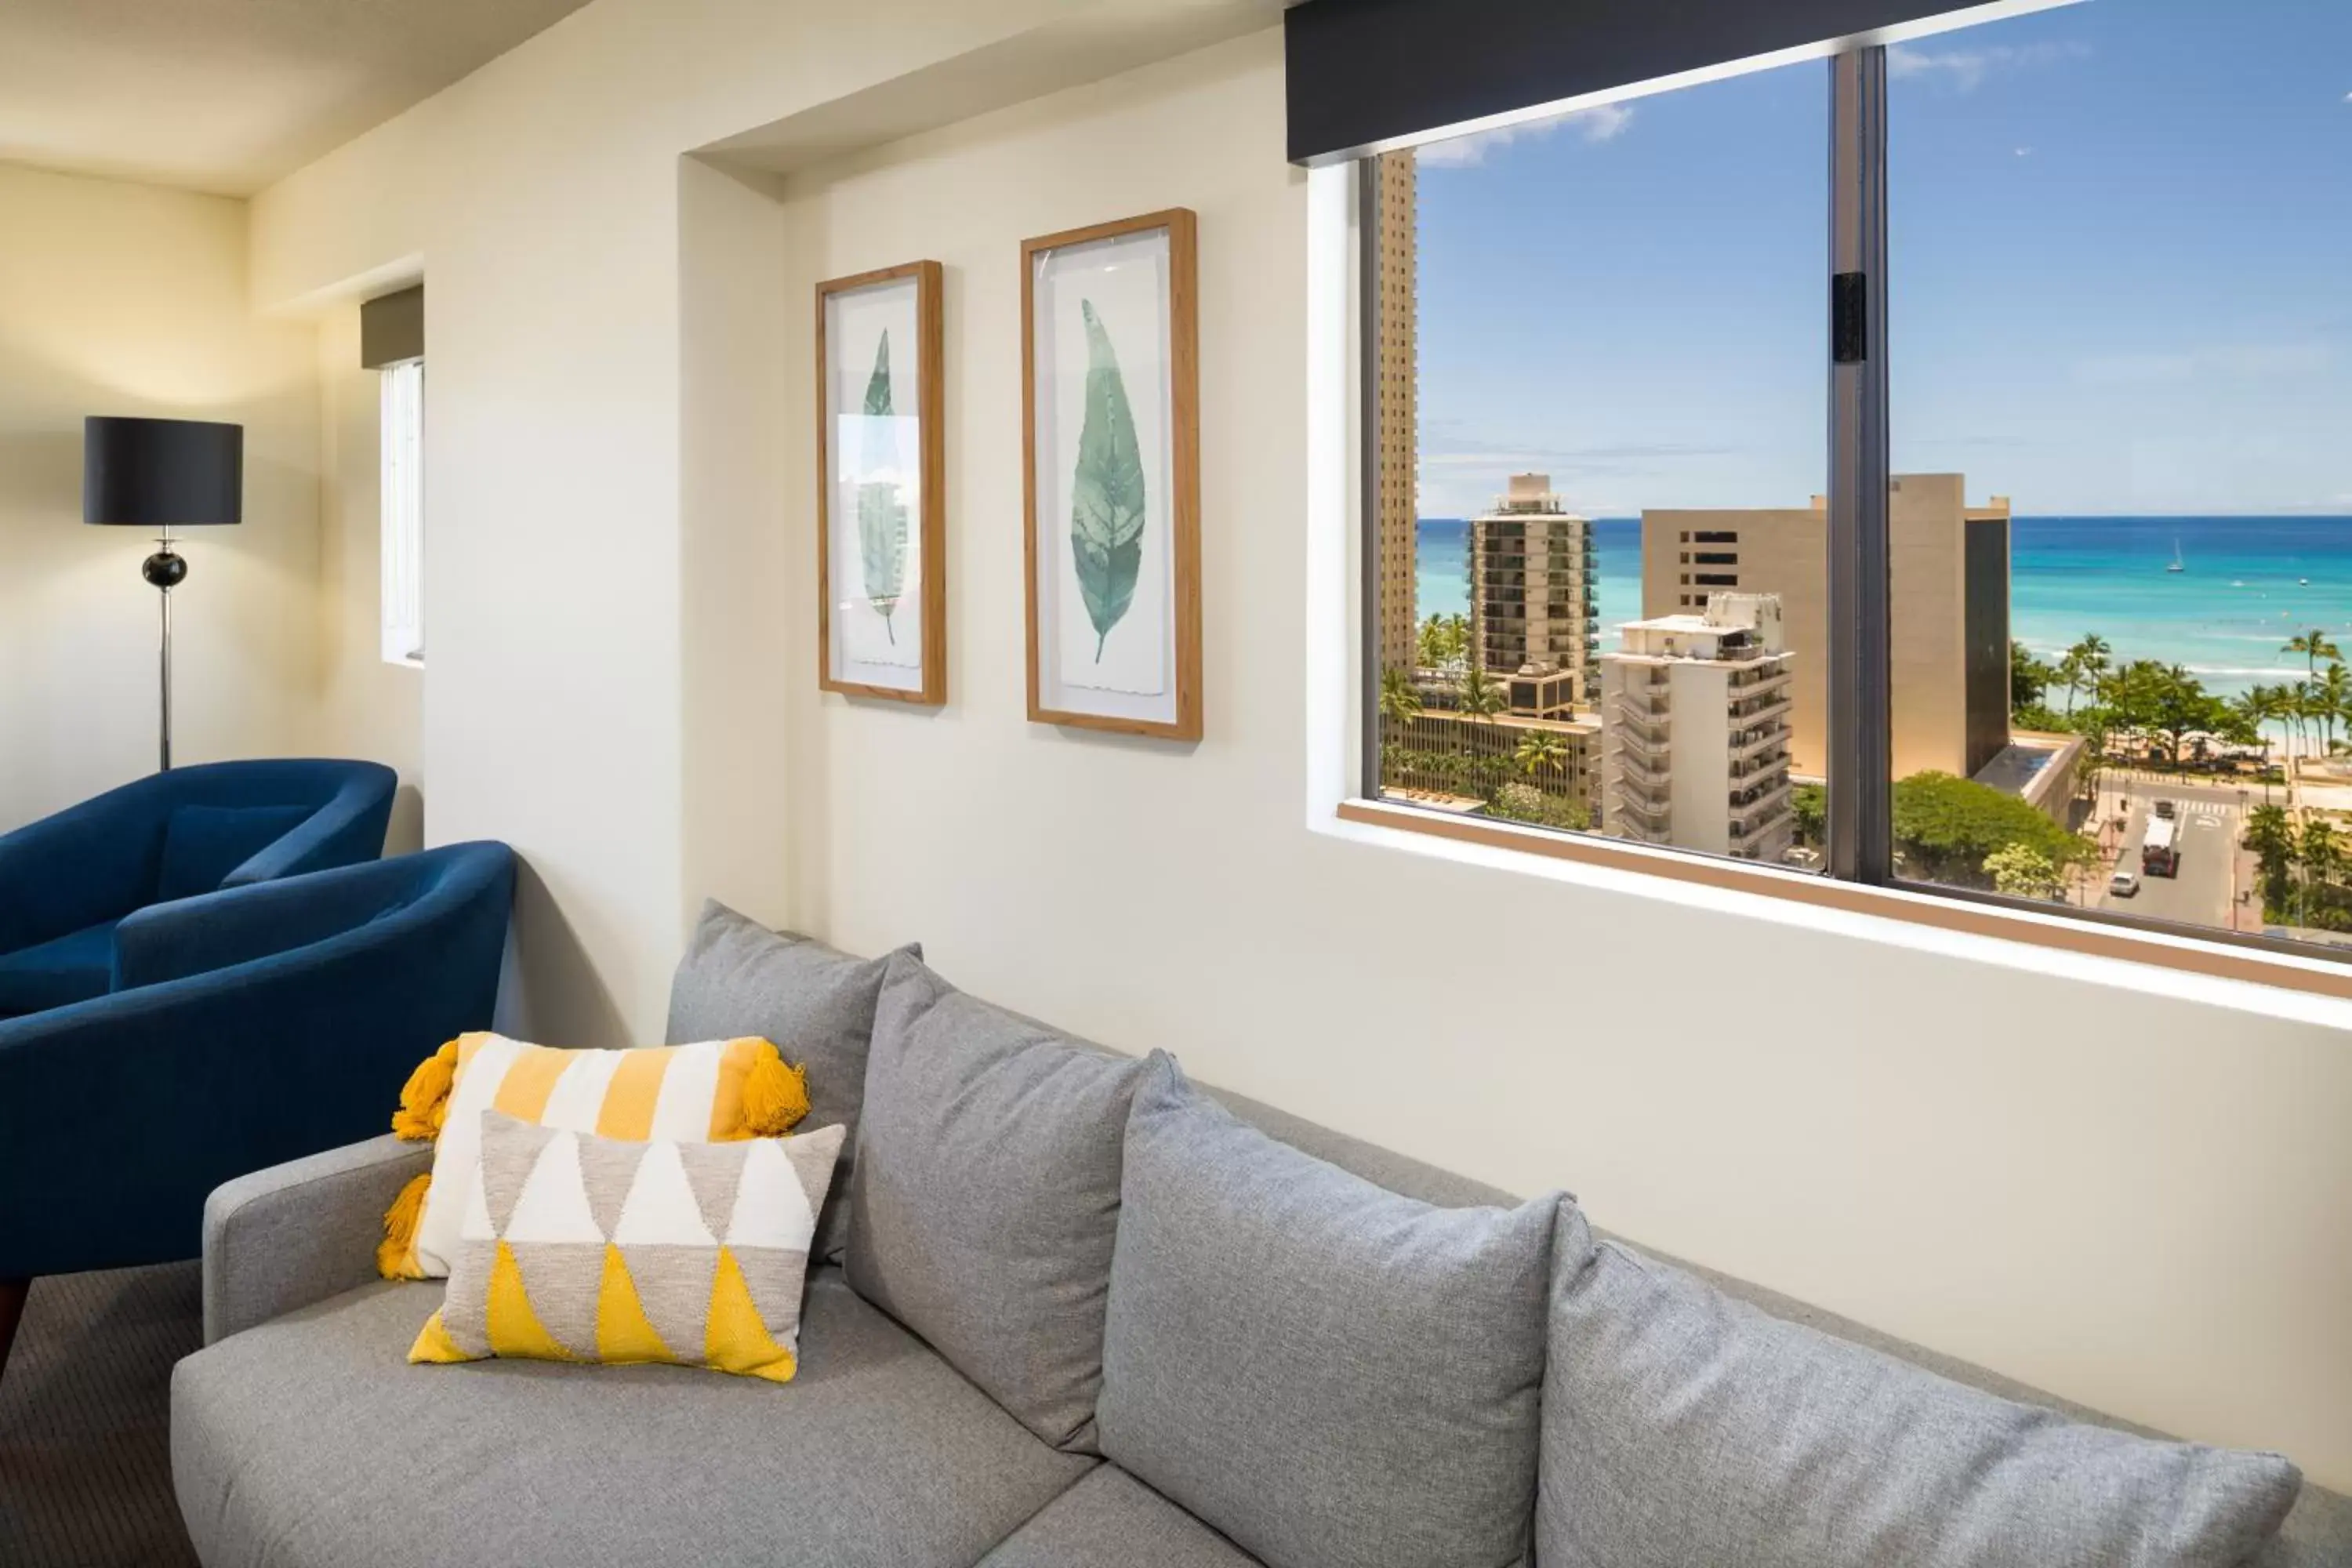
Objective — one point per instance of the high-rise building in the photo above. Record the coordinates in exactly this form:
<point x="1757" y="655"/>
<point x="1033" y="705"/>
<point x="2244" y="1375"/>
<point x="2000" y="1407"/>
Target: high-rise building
<point x="1695" y="730"/>
<point x="1398" y="504"/>
<point x="1949" y="610"/>
<point x="1533" y="575"/>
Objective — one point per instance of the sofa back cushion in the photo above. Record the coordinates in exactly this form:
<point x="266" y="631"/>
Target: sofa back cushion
<point x="1333" y="1376"/>
<point x="738" y="978"/>
<point x="203" y="844"/>
<point x="1683" y="1426"/>
<point x="984" y="1197"/>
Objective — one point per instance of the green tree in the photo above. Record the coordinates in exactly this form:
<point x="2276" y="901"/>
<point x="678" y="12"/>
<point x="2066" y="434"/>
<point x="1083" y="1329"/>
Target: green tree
<point x="1809" y="803"/>
<point x="2029" y="677"/>
<point x="1479" y="696"/>
<point x="2332" y="696"/>
<point x="1539" y="750"/>
<point x="2319" y="849"/>
<point x="2022" y="871"/>
<point x="2084" y="664"/>
<point x="2255" y="708"/>
<point x="2314" y="646"/>
<point x="2271" y="839"/>
<point x="1400" y="697"/>
<point x="1945" y="826"/>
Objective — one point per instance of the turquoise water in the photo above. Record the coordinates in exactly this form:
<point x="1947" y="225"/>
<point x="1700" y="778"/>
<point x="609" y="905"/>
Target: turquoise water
<point x="2243" y="591"/>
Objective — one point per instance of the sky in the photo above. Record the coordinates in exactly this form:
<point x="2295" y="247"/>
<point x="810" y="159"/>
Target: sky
<point x="2120" y="279"/>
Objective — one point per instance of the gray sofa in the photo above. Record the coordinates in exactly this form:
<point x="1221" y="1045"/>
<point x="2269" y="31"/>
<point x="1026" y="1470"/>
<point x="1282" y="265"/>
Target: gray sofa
<point x="954" y="1360"/>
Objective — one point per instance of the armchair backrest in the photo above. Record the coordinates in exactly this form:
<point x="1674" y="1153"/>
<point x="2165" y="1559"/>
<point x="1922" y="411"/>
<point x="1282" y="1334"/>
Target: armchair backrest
<point x="107" y="857"/>
<point x="265" y="1023"/>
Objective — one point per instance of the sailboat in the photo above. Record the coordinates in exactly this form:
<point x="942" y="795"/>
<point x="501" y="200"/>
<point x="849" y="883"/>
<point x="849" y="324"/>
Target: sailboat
<point x="2177" y="564"/>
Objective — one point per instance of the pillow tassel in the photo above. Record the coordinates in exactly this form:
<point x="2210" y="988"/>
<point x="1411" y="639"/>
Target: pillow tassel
<point x="424" y="1097"/>
<point x="395" y="1255"/>
<point x="775" y="1096"/>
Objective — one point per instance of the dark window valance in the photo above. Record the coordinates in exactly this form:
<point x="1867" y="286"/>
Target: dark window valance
<point x="1363" y="73"/>
<point x="392" y="328"/>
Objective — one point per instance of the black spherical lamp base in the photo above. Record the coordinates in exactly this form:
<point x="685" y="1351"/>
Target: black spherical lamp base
<point x="164" y="569"/>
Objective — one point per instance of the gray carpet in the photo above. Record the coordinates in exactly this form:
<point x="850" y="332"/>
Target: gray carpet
<point x="85" y="1414"/>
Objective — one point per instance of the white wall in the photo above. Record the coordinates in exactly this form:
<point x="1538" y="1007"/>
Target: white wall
<point x="2126" y="1192"/>
<point x="366" y="707"/>
<point x="123" y="298"/>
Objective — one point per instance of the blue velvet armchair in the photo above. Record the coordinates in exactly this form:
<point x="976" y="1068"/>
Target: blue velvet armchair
<point x="68" y="880"/>
<point x="250" y="1026"/>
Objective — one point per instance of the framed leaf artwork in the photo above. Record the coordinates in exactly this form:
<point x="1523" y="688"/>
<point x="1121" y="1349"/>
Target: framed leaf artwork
<point x="1110" y="374"/>
<point x="881" y="538"/>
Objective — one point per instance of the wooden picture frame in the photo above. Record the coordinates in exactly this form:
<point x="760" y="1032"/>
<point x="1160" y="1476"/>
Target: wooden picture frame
<point x="866" y="459"/>
<point x="1126" y="431"/>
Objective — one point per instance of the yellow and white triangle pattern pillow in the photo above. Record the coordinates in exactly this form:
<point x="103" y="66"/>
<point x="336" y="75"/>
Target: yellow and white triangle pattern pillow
<point x="581" y="1248"/>
<point x="711" y="1092"/>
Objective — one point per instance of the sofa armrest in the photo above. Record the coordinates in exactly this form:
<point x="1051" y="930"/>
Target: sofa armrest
<point x="298" y="1233"/>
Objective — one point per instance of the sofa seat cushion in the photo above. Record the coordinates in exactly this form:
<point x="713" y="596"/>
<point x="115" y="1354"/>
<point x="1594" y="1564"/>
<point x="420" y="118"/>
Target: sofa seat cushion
<point x="1112" y="1517"/>
<point x="60" y="972"/>
<point x="311" y="1442"/>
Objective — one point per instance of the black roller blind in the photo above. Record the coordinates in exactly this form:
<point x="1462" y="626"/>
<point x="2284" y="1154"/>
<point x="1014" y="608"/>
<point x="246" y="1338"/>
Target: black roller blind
<point x="1365" y="72"/>
<point x="392" y="328"/>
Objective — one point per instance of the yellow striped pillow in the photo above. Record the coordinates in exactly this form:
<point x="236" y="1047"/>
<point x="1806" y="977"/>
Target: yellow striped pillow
<point x="711" y="1092"/>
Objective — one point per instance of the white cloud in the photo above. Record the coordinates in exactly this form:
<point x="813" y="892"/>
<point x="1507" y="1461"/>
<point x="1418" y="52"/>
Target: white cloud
<point x="2025" y="151"/>
<point x="1966" y="69"/>
<point x="1602" y="123"/>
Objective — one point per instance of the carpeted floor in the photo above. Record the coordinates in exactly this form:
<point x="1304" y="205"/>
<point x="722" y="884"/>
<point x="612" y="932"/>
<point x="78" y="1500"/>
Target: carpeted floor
<point x="85" y="1411"/>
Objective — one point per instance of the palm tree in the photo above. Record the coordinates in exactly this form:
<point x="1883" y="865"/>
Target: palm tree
<point x="2271" y="839"/>
<point x="2256" y="707"/>
<point x="2322" y="856"/>
<point x="1540" y="750"/>
<point x="2084" y="664"/>
<point x="1479" y="696"/>
<point x="1427" y="639"/>
<point x="1399" y="699"/>
<point x="2333" y="697"/>
<point x="2314" y="646"/>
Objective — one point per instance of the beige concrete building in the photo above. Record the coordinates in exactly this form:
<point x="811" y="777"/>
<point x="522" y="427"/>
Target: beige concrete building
<point x="1695" y="730"/>
<point x="1949" y="611"/>
<point x="1435" y="733"/>
<point x="1533" y="577"/>
<point x="1399" y="367"/>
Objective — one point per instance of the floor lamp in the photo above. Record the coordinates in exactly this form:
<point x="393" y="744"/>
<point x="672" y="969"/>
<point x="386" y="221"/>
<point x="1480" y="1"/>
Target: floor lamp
<point x="162" y="474"/>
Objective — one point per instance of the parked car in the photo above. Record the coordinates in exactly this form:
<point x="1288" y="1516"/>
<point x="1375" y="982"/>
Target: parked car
<point x="2124" y="884"/>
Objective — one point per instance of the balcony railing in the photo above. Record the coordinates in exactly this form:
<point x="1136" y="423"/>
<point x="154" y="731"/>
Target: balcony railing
<point x="1759" y="826"/>
<point x="1646" y="771"/>
<point x="1747" y="681"/>
<point x="1746" y="743"/>
<point x="1760" y="799"/>
<point x="1750" y="712"/>
<point x="1656" y="814"/>
<point x="1653" y="701"/>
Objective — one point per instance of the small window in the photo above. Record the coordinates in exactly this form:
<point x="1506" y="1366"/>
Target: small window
<point x="401" y="522"/>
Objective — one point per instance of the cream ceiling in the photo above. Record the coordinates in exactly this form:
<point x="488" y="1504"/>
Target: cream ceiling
<point x="229" y="95"/>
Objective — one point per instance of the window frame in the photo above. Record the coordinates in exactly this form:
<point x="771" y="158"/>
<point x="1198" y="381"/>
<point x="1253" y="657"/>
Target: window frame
<point x="400" y="513"/>
<point x="1857" y="873"/>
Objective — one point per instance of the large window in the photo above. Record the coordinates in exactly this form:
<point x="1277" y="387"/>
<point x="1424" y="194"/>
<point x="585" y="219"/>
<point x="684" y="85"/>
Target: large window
<point x="401" y="517"/>
<point x="1931" y="466"/>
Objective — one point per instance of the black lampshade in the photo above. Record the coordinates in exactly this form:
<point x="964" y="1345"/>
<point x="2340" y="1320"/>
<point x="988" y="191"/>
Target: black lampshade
<point x="162" y="473"/>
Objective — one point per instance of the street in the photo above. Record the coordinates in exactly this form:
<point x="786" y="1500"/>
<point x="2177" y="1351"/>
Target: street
<point x="2210" y="825"/>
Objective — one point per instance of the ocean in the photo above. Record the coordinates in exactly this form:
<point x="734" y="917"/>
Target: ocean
<point x="2248" y="585"/>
